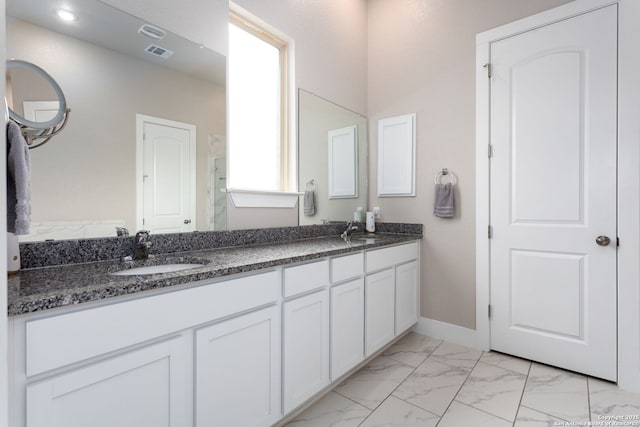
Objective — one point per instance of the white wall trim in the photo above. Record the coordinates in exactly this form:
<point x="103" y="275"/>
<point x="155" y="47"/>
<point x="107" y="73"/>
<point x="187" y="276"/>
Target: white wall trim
<point x="447" y="332"/>
<point x="629" y="195"/>
<point x="568" y="10"/>
<point x="263" y="199"/>
<point x="5" y="396"/>
<point x="628" y="173"/>
<point x="483" y="219"/>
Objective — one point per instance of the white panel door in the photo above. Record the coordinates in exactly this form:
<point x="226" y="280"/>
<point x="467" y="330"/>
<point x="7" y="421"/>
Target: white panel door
<point x="238" y="371"/>
<point x="144" y="388"/>
<point x="347" y="327"/>
<point x="306" y="347"/>
<point x="553" y="193"/>
<point x="406" y="296"/>
<point x="168" y="177"/>
<point x="379" y="308"/>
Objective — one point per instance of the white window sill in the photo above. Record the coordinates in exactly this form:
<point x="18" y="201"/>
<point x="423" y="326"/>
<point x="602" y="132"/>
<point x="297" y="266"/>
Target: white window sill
<point x="263" y="199"/>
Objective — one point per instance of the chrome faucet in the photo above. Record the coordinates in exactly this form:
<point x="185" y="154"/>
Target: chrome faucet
<point x="141" y="245"/>
<point x="351" y="227"/>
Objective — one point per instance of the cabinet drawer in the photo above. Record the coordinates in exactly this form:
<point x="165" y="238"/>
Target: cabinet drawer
<point x="306" y="277"/>
<point x="387" y="257"/>
<point x="347" y="267"/>
<point x="68" y="338"/>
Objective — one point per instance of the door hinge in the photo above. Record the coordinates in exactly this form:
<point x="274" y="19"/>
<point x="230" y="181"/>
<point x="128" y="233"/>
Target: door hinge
<point x="488" y="67"/>
<point x="142" y="221"/>
<point x="617" y="241"/>
<point x="489" y="311"/>
<point x="489" y="231"/>
<point x="490" y="151"/>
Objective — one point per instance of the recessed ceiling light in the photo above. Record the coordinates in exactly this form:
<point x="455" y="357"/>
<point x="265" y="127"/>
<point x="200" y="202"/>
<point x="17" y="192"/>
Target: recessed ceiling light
<point x="66" y="15"/>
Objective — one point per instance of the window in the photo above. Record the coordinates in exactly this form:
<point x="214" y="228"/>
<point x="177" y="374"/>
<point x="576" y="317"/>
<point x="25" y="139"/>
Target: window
<point x="258" y="108"/>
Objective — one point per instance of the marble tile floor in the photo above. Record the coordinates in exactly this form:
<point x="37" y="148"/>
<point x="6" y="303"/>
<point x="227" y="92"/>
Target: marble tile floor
<point x="421" y="381"/>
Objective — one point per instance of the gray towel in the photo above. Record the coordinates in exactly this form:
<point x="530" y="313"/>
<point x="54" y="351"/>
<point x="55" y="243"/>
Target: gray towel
<point x="18" y="181"/>
<point x="443" y="205"/>
<point x="309" y="203"/>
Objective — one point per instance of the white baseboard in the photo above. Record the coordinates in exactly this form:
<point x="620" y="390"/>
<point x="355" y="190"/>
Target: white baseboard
<point x="447" y="332"/>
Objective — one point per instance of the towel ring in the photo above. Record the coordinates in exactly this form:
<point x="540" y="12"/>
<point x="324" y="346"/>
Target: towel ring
<point x="445" y="172"/>
<point x="311" y="185"/>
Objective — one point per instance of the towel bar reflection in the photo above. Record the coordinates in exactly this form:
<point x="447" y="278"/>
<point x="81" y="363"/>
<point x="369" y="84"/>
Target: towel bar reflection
<point x="445" y="172"/>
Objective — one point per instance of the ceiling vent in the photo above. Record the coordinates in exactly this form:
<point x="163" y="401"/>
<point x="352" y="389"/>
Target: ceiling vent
<point x="152" y="32"/>
<point x="158" y="51"/>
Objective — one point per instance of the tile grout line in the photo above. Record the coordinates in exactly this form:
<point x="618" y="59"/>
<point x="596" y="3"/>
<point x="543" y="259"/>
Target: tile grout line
<point x="390" y="393"/>
<point x="401" y="382"/>
<point x="482" y="410"/>
<point x="350" y="399"/>
<point x="522" y="394"/>
<point x="460" y="388"/>
<point x="588" y="399"/>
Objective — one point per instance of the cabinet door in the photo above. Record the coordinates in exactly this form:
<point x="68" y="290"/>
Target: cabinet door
<point x="379" y="310"/>
<point x="238" y="371"/>
<point x="406" y="296"/>
<point x="347" y="327"/>
<point x="144" y="388"/>
<point x="306" y="347"/>
<point x="397" y="156"/>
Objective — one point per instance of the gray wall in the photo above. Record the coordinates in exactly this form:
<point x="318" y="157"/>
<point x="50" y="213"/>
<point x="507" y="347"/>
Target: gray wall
<point x="421" y="59"/>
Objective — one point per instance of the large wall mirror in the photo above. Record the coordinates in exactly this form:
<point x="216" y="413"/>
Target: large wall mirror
<point x="123" y="91"/>
<point x="136" y="96"/>
<point x="332" y="159"/>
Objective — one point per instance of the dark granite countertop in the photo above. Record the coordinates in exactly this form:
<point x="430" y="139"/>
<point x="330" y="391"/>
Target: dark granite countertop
<point x="45" y="288"/>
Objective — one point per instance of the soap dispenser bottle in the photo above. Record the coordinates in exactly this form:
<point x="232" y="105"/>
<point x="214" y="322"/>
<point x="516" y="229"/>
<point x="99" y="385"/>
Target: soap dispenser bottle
<point x="357" y="215"/>
<point x="370" y="226"/>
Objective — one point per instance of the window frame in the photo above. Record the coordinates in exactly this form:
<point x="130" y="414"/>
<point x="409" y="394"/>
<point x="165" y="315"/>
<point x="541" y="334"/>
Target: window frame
<point x="251" y="24"/>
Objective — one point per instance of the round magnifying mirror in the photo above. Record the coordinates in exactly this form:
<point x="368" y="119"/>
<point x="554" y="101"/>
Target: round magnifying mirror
<point x="34" y="98"/>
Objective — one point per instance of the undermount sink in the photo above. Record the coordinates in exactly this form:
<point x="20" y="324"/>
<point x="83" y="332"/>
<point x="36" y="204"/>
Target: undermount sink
<point x="155" y="269"/>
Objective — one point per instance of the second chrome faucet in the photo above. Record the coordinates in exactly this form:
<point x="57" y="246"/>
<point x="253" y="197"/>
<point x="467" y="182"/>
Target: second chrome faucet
<point x="141" y="245"/>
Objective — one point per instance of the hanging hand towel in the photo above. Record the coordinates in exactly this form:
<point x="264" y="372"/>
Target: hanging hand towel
<point x="443" y="205"/>
<point x="309" y="203"/>
<point x="18" y="181"/>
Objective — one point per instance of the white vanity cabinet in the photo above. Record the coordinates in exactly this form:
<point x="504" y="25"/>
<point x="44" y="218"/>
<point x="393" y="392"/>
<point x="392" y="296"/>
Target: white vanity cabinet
<point x="133" y="362"/>
<point x="238" y="371"/>
<point x="347" y="313"/>
<point x="142" y="388"/>
<point x="379" y="310"/>
<point x="305" y="334"/>
<point x="245" y="350"/>
<point x="347" y="327"/>
<point x="407" y="303"/>
<point x="391" y="294"/>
